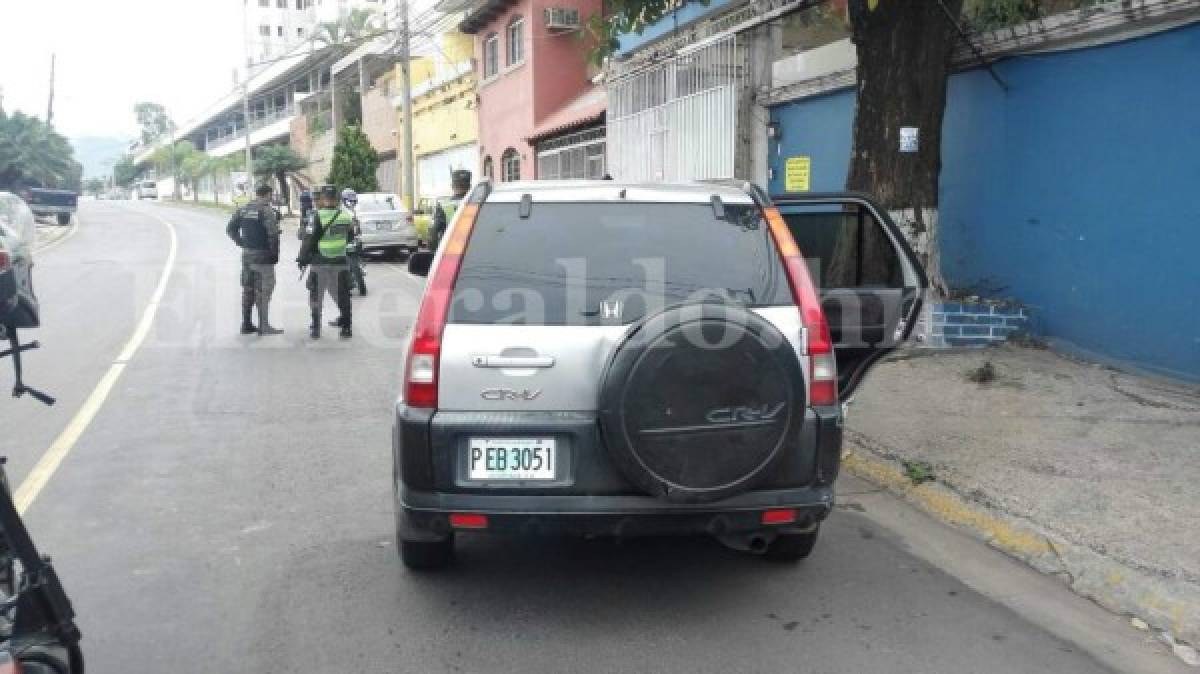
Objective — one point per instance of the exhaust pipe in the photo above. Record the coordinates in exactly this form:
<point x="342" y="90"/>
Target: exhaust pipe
<point x="755" y="542"/>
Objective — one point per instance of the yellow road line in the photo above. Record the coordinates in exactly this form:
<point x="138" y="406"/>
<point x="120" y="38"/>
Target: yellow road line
<point x="58" y="450"/>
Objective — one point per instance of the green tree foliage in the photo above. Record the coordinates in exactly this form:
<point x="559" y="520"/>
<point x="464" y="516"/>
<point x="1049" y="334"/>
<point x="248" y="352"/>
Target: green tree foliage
<point x="185" y="165"/>
<point x="356" y="26"/>
<point x="154" y="121"/>
<point x="124" y="171"/>
<point x="354" y="161"/>
<point x="621" y="17"/>
<point x="34" y="154"/>
<point x="278" y="161"/>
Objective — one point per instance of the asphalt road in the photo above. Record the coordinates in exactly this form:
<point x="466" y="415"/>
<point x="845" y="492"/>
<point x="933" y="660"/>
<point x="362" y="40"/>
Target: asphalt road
<point x="228" y="508"/>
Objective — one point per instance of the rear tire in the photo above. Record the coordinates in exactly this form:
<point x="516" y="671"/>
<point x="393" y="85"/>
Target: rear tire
<point x="64" y="218"/>
<point x="792" y="547"/>
<point x="427" y="555"/>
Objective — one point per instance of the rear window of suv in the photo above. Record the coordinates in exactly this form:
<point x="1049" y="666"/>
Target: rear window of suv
<point x="606" y="263"/>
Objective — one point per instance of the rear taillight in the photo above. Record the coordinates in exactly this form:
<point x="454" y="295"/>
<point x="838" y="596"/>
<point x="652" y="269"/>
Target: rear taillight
<point x="421" y="386"/>
<point x="5" y="261"/>
<point x="822" y="386"/>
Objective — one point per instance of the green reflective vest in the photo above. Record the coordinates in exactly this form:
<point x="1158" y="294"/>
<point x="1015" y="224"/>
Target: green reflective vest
<point x="449" y="207"/>
<point x="333" y="238"/>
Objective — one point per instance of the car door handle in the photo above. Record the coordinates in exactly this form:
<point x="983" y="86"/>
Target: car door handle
<point x="512" y="361"/>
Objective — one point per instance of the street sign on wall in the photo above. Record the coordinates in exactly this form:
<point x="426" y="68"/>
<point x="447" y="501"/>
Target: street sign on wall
<point x="797" y="174"/>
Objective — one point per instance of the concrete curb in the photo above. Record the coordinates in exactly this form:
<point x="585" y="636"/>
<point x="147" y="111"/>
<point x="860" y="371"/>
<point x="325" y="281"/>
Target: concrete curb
<point x="1169" y="605"/>
<point x="50" y="235"/>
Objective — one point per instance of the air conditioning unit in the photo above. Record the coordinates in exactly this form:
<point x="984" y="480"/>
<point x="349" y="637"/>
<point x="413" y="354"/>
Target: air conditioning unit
<point x="561" y="18"/>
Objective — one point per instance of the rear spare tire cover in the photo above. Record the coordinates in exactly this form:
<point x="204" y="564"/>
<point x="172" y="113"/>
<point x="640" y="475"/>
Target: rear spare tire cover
<point x="700" y="401"/>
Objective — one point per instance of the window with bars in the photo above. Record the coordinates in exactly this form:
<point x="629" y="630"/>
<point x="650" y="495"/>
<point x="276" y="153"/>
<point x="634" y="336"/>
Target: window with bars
<point x="491" y="55"/>
<point x="577" y="156"/>
<point x="516" y="41"/>
<point x="510" y="165"/>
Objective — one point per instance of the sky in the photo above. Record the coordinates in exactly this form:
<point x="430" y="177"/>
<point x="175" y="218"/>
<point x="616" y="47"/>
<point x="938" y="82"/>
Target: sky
<point x="115" y="53"/>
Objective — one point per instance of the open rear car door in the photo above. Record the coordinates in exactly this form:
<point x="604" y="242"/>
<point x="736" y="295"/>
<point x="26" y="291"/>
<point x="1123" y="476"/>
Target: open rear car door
<point x="870" y="281"/>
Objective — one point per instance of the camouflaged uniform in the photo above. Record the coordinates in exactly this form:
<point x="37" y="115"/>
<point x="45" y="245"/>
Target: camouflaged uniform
<point x="255" y="229"/>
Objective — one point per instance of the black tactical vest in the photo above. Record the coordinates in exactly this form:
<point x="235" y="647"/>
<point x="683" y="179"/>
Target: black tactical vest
<point x="252" y="227"/>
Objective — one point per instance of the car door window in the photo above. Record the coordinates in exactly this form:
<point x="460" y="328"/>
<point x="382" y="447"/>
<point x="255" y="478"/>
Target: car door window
<point x="869" y="280"/>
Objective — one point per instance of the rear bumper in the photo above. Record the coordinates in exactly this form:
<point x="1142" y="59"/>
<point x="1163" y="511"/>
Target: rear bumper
<point x="377" y="241"/>
<point x="596" y="500"/>
<point x="426" y="516"/>
<point x="49" y="209"/>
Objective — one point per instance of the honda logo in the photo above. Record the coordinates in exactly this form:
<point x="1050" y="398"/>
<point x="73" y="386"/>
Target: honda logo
<point x="510" y="394"/>
<point x="610" y="309"/>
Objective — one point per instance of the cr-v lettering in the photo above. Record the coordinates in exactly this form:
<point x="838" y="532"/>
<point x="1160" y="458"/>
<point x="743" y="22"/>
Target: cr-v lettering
<point x="733" y="415"/>
<point x="509" y="394"/>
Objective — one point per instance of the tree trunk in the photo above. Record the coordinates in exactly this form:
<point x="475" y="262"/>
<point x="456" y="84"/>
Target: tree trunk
<point x="904" y="49"/>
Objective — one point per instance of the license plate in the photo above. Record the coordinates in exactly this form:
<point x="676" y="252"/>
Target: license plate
<point x="511" y="459"/>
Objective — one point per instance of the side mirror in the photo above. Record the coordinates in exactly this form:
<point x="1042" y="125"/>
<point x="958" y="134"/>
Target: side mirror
<point x="419" y="263"/>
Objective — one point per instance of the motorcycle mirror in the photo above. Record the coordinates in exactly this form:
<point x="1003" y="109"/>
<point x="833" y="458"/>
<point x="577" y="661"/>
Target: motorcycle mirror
<point x="419" y="263"/>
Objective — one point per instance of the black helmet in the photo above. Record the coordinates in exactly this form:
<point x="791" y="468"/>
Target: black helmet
<point x="328" y="192"/>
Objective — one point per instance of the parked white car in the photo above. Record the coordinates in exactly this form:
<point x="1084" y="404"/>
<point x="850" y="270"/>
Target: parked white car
<point x="147" y="189"/>
<point x="385" y="224"/>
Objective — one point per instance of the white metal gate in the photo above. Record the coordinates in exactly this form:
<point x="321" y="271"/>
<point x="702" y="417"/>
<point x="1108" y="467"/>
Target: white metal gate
<point x="676" y="120"/>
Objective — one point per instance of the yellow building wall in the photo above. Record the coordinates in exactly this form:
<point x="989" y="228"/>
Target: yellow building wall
<point x="446" y="116"/>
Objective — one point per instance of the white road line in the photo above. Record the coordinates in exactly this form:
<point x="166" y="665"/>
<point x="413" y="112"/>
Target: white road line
<point x="58" y="450"/>
<point x="59" y="240"/>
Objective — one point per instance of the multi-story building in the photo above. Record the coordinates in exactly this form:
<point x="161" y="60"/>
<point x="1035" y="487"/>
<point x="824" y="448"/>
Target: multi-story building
<point x="533" y="65"/>
<point x="273" y="27"/>
<point x="445" y="130"/>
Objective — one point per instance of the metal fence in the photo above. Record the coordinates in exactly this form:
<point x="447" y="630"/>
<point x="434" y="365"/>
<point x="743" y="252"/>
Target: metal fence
<point x="676" y="119"/>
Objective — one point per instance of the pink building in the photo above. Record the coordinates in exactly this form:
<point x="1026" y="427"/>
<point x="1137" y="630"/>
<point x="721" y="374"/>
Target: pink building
<point x="532" y="67"/>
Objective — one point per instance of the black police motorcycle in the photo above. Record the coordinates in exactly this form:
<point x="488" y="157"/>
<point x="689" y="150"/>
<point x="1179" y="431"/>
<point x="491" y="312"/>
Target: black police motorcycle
<point x="37" y="624"/>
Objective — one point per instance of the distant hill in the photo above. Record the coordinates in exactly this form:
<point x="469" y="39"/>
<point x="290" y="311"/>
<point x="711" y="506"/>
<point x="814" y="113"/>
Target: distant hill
<point x="97" y="153"/>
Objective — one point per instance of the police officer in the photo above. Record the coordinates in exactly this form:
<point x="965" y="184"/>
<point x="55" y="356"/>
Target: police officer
<point x="325" y="249"/>
<point x="255" y="229"/>
<point x="443" y="212"/>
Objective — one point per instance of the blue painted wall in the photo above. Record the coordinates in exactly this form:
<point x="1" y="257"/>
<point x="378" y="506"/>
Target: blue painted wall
<point x="690" y="12"/>
<point x="1075" y="192"/>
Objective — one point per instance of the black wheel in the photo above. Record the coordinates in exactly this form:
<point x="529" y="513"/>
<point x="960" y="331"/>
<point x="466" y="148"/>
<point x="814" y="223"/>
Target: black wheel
<point x="792" y="547"/>
<point x="64" y="218"/>
<point x="426" y="556"/>
<point x="360" y="280"/>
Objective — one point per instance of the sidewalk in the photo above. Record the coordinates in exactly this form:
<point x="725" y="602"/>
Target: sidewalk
<point x="1083" y="472"/>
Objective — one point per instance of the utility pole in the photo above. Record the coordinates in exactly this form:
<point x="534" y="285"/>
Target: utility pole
<point x="174" y="169"/>
<point x="246" y="101"/>
<point x="246" y="121"/>
<point x="50" y="104"/>
<point x="406" y="95"/>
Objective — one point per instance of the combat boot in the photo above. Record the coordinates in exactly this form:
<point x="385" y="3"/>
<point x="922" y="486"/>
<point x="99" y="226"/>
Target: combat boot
<point x="264" y="325"/>
<point x="314" y="330"/>
<point x="345" y="332"/>
<point x="247" y="325"/>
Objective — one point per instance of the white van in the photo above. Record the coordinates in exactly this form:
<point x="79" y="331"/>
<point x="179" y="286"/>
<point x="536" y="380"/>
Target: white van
<point x="147" y="189"/>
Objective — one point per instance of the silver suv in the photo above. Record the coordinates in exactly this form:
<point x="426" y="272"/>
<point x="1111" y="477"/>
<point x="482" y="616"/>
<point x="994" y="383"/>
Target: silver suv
<point x="595" y="358"/>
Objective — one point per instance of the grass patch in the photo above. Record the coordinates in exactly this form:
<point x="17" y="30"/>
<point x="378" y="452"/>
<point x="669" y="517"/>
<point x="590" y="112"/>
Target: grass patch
<point x="919" y="472"/>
